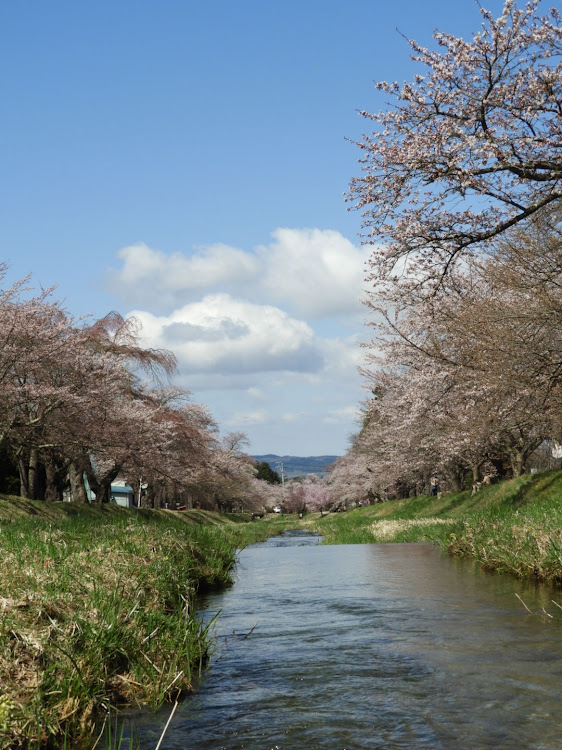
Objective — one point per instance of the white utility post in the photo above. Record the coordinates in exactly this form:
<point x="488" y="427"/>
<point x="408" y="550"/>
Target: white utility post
<point x="279" y="465"/>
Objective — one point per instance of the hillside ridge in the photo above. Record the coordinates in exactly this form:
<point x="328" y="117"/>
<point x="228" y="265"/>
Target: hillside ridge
<point x="294" y="466"/>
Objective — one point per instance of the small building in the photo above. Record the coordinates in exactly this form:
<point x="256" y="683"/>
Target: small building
<point x="122" y="494"/>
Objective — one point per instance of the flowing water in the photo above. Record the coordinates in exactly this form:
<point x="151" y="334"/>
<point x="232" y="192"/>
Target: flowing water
<point x="373" y="646"/>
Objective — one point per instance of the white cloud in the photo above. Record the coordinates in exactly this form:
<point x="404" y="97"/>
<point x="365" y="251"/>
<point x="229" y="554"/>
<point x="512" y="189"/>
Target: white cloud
<point x="312" y="272"/>
<point x="216" y="381"/>
<point x="223" y="335"/>
<point x="343" y="356"/>
<point x="257" y="394"/>
<point x="292" y="417"/>
<point x="342" y="416"/>
<point x="243" y="419"/>
<point x="162" y="280"/>
<point x="236" y="321"/>
<point x="319" y="273"/>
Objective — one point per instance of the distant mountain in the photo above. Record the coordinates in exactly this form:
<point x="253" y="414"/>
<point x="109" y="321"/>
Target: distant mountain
<point x="296" y="466"/>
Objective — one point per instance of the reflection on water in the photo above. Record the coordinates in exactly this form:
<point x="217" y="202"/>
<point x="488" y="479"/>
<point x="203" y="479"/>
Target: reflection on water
<point x="373" y="646"/>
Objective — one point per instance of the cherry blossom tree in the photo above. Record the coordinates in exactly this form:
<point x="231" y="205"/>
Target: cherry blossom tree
<point x="88" y="401"/>
<point x="317" y="494"/>
<point x="230" y="482"/>
<point x="36" y="336"/>
<point x="470" y="376"/>
<point x="68" y="391"/>
<point x="471" y="147"/>
<point x="461" y="193"/>
<point x="352" y="478"/>
<point x="295" y="498"/>
<point x="172" y="458"/>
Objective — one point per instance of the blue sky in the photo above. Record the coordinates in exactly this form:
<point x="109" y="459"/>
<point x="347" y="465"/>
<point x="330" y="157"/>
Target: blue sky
<point x="186" y="162"/>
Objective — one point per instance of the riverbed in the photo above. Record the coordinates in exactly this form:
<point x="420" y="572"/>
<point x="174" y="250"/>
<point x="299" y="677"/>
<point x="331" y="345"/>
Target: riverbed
<point x="372" y="646"/>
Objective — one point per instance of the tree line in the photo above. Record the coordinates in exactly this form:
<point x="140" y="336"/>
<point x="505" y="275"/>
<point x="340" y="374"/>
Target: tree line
<point x="84" y="402"/>
<point x="461" y="197"/>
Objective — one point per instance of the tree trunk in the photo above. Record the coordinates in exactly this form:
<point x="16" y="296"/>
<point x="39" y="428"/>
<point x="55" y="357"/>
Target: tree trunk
<point x="519" y="451"/>
<point x="103" y="492"/>
<point x="77" y="486"/>
<point x="517" y="461"/>
<point x="162" y="498"/>
<point x="32" y="482"/>
<point x="454" y="476"/>
<point x="24" y="476"/>
<point x="53" y="479"/>
<point x="145" y="496"/>
<point x="102" y="487"/>
<point x="136" y="486"/>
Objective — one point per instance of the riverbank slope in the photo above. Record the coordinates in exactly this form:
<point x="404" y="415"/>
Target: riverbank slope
<point x="513" y="526"/>
<point x="96" y="610"/>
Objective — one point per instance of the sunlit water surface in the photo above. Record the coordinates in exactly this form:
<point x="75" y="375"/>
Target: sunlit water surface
<point x="372" y="646"/>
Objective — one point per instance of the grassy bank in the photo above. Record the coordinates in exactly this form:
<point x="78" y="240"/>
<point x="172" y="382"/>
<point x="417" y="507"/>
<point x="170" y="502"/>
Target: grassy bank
<point x="96" y="610"/>
<point x="514" y="526"/>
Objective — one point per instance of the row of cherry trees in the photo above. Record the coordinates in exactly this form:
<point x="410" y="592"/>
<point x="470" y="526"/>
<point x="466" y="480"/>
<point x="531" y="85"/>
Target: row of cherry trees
<point x="81" y="400"/>
<point x="309" y="493"/>
<point x="461" y="195"/>
<point x="470" y="381"/>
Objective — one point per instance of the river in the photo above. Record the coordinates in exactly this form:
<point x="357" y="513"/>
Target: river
<point x="373" y="646"/>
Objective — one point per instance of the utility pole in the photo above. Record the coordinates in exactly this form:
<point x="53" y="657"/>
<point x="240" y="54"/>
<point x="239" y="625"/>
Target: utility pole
<point x="279" y="465"/>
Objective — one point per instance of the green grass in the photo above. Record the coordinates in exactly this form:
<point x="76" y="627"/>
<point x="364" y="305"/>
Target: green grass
<point x="514" y="526"/>
<point x="97" y="610"/>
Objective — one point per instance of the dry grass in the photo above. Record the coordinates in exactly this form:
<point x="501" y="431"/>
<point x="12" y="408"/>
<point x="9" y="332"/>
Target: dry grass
<point x="389" y="530"/>
<point x="96" y="610"/>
